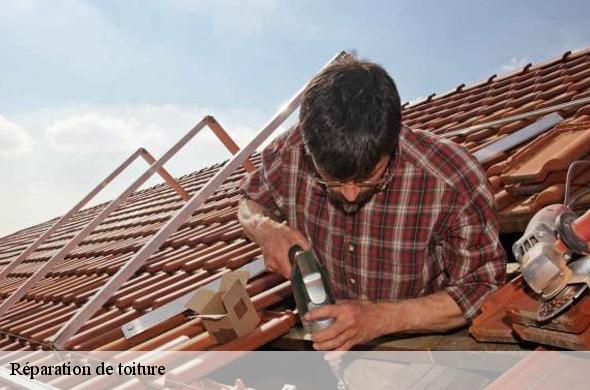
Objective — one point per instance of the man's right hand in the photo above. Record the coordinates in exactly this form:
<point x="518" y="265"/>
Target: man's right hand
<point x="276" y="240"/>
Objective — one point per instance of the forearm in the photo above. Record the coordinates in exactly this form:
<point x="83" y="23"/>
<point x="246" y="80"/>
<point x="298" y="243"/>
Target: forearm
<point x="274" y="238"/>
<point x="431" y="313"/>
<point x="358" y="322"/>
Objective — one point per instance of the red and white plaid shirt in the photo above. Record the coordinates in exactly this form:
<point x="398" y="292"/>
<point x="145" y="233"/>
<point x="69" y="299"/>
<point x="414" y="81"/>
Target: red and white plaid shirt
<point x="432" y="228"/>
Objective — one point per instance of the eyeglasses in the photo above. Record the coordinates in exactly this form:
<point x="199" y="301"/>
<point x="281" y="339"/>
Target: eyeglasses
<point x="369" y="185"/>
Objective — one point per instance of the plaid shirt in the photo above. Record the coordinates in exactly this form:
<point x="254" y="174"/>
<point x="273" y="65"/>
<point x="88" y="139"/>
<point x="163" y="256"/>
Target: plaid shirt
<point x="432" y="228"/>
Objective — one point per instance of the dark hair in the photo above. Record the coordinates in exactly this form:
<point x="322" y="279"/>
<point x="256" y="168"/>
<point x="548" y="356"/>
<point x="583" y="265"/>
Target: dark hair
<point x="350" y="117"/>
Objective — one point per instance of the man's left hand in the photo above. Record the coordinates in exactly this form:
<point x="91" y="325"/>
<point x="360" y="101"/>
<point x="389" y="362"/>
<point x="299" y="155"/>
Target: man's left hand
<point x="355" y="322"/>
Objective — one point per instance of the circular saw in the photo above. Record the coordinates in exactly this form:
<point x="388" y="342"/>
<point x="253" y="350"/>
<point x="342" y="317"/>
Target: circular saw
<point x="552" y="237"/>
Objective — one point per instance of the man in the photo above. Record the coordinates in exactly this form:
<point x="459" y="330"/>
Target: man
<point x="403" y="220"/>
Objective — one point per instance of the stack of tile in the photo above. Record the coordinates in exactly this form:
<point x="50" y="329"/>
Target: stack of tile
<point x="211" y="242"/>
<point x="509" y="316"/>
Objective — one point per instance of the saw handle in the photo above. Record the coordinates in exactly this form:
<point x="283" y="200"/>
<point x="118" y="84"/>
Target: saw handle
<point x="580" y="228"/>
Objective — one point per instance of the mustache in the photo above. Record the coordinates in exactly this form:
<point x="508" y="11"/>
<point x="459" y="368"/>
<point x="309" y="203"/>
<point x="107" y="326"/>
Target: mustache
<point x="350" y="207"/>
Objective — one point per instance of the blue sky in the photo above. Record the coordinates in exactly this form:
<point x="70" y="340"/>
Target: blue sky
<point x="83" y="84"/>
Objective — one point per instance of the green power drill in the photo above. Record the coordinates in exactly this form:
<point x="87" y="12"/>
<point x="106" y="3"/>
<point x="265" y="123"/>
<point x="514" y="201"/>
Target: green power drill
<point x="311" y="287"/>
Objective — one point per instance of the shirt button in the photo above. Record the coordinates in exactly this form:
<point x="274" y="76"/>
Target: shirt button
<point x="350" y="248"/>
<point x="352" y="281"/>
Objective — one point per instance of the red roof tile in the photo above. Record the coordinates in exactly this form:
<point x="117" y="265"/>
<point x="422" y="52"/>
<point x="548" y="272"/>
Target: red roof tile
<point x="557" y="81"/>
<point x="510" y="314"/>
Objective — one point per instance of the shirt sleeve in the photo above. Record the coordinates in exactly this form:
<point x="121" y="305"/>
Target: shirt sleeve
<point x="264" y="186"/>
<point x="474" y="258"/>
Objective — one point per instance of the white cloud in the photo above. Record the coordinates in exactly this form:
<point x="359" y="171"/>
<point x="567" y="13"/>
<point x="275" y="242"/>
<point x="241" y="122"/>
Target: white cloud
<point x="107" y="130"/>
<point x="14" y="140"/>
<point x="71" y="149"/>
<point x="515" y="63"/>
<point x="89" y="133"/>
<point x="416" y="100"/>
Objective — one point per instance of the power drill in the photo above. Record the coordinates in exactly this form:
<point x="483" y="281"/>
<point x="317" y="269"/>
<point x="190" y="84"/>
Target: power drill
<point x="311" y="287"/>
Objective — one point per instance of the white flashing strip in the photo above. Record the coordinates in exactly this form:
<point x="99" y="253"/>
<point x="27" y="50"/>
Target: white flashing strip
<point x="514" y="118"/>
<point x="495" y="149"/>
<point x="177" y="306"/>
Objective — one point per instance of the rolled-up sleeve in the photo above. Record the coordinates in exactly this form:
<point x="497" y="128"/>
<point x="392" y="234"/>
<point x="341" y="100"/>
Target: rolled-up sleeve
<point x="474" y="258"/>
<point x="263" y="186"/>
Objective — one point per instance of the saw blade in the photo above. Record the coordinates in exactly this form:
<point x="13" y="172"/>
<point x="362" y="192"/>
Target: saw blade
<point x="556" y="305"/>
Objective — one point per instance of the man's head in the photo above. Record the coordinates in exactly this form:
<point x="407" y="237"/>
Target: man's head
<point x="350" y="120"/>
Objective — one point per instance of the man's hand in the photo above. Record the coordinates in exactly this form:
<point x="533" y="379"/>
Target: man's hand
<point x="274" y="238"/>
<point x="275" y="243"/>
<point x="355" y="322"/>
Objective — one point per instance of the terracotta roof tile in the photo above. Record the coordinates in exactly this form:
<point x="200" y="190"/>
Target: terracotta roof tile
<point x="551" y="152"/>
<point x="509" y="315"/>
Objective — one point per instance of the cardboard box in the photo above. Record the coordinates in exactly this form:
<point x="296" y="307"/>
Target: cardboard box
<point x="227" y="313"/>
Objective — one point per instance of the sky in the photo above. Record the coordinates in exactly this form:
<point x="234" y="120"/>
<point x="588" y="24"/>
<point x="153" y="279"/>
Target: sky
<point x="83" y="84"/>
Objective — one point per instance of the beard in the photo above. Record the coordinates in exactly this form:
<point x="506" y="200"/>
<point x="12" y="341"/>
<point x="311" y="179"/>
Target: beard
<point x="350" y="207"/>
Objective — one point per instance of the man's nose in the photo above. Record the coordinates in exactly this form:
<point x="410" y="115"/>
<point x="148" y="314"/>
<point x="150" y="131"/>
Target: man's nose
<point x="350" y="191"/>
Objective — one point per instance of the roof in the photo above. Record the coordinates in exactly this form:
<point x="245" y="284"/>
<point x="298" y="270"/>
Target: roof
<point x="532" y="175"/>
<point x="524" y="179"/>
